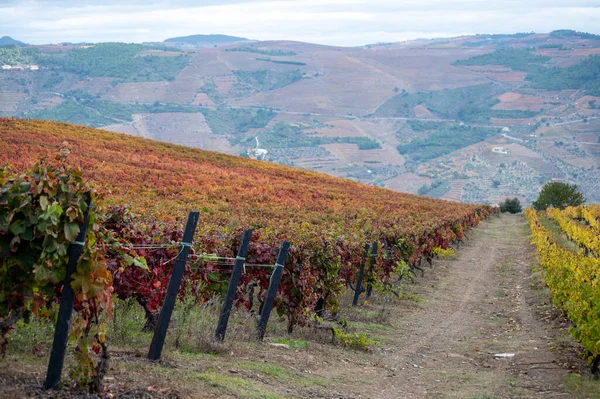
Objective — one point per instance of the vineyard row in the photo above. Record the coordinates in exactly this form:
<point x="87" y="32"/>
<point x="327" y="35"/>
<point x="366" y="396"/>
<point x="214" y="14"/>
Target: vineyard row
<point x="574" y="281"/>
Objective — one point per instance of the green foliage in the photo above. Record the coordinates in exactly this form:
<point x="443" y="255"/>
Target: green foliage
<point x="469" y="104"/>
<point x="210" y="88"/>
<point x="511" y="206"/>
<point x="118" y="60"/>
<point x="54" y="79"/>
<point x="85" y="109"/>
<point x="262" y="51"/>
<point x="496" y="39"/>
<point x="558" y="195"/>
<point x="514" y="58"/>
<point x="584" y="75"/>
<point x="15" y="55"/>
<point x="39" y="215"/>
<point x="422" y="126"/>
<point x="300" y="63"/>
<point x="561" y="33"/>
<point x="363" y="143"/>
<point x="72" y="112"/>
<point x="236" y="121"/>
<point x="437" y="189"/>
<point x="556" y="46"/>
<point x="267" y="79"/>
<point x="293" y="344"/>
<point x="444" y="141"/>
<point x="284" y="135"/>
<point x="358" y="340"/>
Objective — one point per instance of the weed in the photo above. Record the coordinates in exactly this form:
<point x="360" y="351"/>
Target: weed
<point x="293" y="344"/>
<point x="357" y="340"/>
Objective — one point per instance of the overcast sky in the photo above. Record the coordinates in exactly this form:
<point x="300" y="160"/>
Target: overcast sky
<point x="336" y="22"/>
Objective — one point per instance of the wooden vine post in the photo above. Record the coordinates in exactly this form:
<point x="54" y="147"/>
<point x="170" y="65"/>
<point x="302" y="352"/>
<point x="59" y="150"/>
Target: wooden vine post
<point x="160" y="332"/>
<point x="61" y="332"/>
<point x="236" y="275"/>
<point x="371" y="277"/>
<point x="272" y="291"/>
<point x="361" y="273"/>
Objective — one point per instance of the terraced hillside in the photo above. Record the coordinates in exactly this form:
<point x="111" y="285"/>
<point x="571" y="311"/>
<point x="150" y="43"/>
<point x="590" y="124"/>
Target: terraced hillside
<point x="426" y="111"/>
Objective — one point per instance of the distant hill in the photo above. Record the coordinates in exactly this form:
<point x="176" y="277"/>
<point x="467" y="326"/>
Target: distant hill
<point x="7" y="40"/>
<point x="474" y="118"/>
<point x="207" y="39"/>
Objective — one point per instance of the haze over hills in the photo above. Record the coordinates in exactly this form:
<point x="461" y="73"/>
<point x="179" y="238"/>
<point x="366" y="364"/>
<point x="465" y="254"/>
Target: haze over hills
<point x="473" y="118"/>
<point x="7" y="40"/>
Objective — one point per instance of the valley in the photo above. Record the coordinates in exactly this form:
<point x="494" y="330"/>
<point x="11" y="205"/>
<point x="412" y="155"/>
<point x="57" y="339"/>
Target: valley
<point x="473" y="119"/>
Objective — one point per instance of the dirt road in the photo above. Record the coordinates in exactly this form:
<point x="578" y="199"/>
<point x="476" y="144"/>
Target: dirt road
<point x="484" y="303"/>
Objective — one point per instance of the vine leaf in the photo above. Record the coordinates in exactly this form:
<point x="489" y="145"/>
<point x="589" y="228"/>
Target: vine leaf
<point x="71" y="231"/>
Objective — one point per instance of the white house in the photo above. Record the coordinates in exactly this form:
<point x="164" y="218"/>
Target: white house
<point x="34" y="67"/>
<point x="6" y="67"/>
<point x="500" y="150"/>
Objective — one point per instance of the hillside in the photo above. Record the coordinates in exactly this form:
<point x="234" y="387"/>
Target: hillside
<point x="473" y="118"/>
<point x="164" y="181"/>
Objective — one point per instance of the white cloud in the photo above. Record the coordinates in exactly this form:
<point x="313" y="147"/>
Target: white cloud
<point x="336" y="22"/>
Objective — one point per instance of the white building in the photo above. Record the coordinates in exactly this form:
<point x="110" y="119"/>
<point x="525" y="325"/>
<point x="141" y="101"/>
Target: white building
<point x="500" y="150"/>
<point x="6" y="67"/>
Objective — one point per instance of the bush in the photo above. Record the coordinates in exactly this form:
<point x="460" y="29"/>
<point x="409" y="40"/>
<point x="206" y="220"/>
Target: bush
<point x="511" y="206"/>
<point x="558" y="195"/>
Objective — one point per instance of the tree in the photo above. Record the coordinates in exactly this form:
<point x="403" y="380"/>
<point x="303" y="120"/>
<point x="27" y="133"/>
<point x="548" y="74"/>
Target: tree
<point x="511" y="206"/>
<point x="558" y="195"/>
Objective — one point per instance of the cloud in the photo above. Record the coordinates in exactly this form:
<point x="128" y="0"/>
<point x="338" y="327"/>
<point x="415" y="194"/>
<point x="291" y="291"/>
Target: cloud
<point x="336" y="22"/>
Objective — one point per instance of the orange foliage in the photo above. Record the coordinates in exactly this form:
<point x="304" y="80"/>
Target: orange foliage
<point x="326" y="219"/>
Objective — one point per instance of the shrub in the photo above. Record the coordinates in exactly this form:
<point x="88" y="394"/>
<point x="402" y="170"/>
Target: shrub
<point x="511" y="206"/>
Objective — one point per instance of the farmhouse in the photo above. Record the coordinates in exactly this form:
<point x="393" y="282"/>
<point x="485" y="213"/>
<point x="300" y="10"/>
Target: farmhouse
<point x="6" y="67"/>
<point x="500" y="150"/>
<point x="34" y="67"/>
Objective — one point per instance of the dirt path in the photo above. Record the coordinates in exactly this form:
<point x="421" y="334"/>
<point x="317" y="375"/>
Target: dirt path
<point x="483" y="303"/>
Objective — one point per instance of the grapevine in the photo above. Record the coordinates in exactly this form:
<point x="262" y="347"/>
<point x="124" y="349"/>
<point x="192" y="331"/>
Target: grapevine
<point x="574" y="281"/>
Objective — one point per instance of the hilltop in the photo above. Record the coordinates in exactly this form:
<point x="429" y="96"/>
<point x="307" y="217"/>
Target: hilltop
<point x="204" y="40"/>
<point x="7" y="40"/>
<point x="472" y="118"/>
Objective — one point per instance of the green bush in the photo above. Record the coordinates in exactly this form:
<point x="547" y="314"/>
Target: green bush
<point x="511" y="206"/>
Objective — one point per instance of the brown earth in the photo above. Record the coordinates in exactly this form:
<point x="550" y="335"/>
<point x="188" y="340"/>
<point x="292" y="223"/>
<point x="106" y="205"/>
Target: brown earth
<point x="442" y="343"/>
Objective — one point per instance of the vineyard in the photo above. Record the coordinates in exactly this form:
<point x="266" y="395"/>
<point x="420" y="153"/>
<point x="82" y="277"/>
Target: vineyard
<point x="141" y="192"/>
<point x="572" y="272"/>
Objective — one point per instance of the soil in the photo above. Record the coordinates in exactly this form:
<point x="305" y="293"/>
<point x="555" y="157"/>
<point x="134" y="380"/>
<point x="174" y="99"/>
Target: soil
<point x="445" y="341"/>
